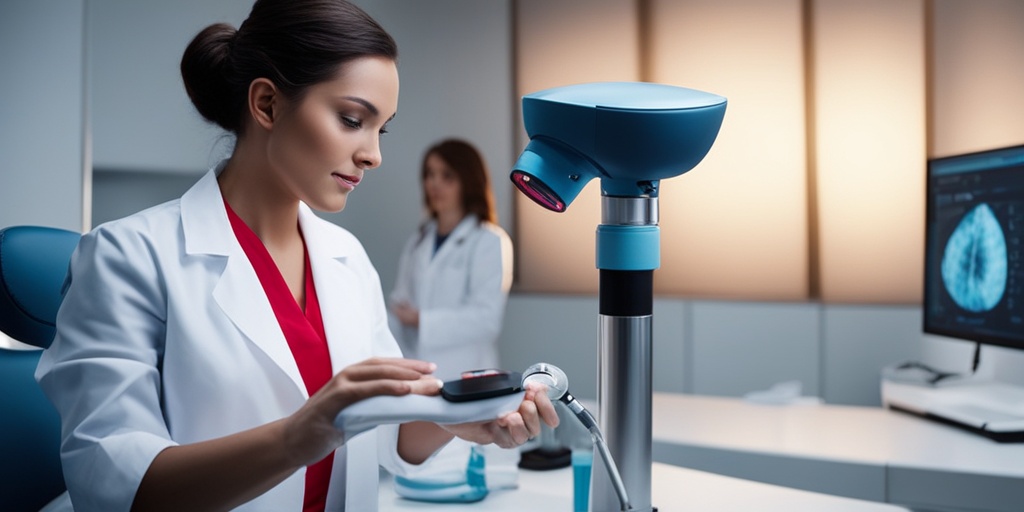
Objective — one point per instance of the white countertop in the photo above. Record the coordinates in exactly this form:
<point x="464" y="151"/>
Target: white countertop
<point x="672" y="489"/>
<point x="863" y="452"/>
<point x="870" y="435"/>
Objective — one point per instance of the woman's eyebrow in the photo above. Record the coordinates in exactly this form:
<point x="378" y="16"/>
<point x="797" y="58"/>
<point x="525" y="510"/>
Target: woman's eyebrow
<point x="369" y="106"/>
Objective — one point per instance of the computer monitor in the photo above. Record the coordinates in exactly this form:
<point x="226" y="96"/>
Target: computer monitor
<point x="974" y="273"/>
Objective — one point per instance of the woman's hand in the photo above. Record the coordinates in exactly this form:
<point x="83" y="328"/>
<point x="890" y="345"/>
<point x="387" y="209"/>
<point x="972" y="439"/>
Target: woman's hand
<point x="310" y="433"/>
<point x="270" y="453"/>
<point x="408" y="315"/>
<point x="515" y="428"/>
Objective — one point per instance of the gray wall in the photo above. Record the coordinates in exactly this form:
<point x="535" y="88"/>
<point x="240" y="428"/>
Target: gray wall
<point x="118" y="194"/>
<point x="42" y="113"/>
<point x="142" y="120"/>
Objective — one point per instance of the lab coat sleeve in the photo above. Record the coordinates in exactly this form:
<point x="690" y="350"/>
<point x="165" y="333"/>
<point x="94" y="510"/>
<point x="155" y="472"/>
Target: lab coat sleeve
<point x="102" y="370"/>
<point x="478" y="317"/>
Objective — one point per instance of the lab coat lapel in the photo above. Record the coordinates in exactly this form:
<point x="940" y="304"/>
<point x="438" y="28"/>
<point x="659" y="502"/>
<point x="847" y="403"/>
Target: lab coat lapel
<point x="238" y="291"/>
<point x="455" y="239"/>
<point x="342" y="306"/>
<point x="347" y="310"/>
<point x="428" y="262"/>
<point x="425" y="249"/>
<point x="240" y="294"/>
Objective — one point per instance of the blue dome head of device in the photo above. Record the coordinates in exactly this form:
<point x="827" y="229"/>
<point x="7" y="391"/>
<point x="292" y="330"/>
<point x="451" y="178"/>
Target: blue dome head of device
<point x="631" y="135"/>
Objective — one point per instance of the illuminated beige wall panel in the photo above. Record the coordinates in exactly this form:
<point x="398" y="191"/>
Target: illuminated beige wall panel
<point x="563" y="43"/>
<point x="977" y="75"/>
<point x="868" y="73"/>
<point x="737" y="225"/>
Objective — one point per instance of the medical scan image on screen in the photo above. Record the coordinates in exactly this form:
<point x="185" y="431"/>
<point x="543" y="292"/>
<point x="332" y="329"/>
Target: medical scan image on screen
<point x="974" y="263"/>
<point x="973" y="270"/>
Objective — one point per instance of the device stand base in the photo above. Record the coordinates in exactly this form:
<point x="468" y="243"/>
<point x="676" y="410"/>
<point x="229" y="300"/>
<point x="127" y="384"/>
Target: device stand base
<point x="546" y="458"/>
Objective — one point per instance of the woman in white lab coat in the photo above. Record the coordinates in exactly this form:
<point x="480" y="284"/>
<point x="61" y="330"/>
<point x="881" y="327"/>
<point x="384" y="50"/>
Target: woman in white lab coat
<point x="206" y="345"/>
<point x="455" y="272"/>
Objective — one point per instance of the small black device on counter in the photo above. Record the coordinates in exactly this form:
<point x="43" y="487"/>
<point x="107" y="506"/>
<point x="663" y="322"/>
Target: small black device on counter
<point x="481" y="384"/>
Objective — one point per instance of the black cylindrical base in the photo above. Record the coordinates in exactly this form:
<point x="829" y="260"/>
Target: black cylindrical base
<point x="626" y="292"/>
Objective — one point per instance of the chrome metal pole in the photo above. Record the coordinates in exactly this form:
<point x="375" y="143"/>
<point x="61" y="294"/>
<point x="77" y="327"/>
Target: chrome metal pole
<point x="627" y="256"/>
<point x="624" y="409"/>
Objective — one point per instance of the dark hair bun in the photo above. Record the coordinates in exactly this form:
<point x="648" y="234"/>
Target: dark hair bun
<point x="204" y="71"/>
<point x="293" y="43"/>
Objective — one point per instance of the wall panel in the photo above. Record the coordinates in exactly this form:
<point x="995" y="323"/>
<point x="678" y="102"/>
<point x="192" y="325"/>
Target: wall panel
<point x="869" y="118"/>
<point x="42" y="113"/>
<point x="977" y="75"/>
<point x="736" y="226"/>
<point x="142" y="119"/>
<point x="739" y="347"/>
<point x="858" y="341"/>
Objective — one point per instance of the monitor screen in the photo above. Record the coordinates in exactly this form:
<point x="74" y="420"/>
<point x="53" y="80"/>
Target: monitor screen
<point x="974" y="277"/>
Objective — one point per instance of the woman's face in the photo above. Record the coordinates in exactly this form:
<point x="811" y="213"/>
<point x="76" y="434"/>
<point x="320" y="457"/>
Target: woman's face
<point x="320" y="147"/>
<point x="442" y="186"/>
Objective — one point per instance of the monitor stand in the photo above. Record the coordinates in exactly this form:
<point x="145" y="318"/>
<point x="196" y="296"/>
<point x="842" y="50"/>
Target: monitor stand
<point x="992" y="409"/>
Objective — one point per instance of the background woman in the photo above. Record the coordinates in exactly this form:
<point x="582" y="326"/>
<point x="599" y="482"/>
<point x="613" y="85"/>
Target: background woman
<point x="455" y="272"/>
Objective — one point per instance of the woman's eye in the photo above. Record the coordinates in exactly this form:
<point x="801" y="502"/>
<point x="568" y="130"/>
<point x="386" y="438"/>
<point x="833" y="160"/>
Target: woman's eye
<point x="384" y="130"/>
<point x="351" y="122"/>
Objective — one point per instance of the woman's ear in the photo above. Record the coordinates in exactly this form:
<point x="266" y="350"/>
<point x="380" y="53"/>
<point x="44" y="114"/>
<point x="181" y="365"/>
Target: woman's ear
<point x="264" y="99"/>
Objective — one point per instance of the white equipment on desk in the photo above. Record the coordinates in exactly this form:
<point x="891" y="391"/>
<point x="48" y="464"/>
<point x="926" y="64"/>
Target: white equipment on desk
<point x="994" y="410"/>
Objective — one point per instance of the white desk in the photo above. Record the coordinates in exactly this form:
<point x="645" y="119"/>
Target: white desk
<point x="868" y="453"/>
<point x="672" y="489"/>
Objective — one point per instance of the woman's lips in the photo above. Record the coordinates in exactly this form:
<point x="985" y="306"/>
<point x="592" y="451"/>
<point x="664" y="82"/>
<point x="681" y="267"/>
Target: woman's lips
<point x="347" y="181"/>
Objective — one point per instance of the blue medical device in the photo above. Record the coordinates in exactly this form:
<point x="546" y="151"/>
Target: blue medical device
<point x="630" y="135"/>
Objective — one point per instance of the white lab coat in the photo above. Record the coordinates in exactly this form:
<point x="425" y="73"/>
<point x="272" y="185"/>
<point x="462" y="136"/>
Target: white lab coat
<point x="460" y="292"/>
<point x="166" y="337"/>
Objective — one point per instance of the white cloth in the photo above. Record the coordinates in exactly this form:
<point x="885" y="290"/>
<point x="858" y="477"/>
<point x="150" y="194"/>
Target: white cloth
<point x="166" y="337"/>
<point x="460" y="293"/>
<point x="383" y="410"/>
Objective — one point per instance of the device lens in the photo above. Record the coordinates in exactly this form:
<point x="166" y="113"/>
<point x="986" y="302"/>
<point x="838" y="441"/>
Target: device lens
<point x="538" y="191"/>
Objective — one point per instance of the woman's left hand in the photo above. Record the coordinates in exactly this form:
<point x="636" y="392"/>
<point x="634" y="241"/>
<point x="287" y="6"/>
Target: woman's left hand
<point x="515" y="428"/>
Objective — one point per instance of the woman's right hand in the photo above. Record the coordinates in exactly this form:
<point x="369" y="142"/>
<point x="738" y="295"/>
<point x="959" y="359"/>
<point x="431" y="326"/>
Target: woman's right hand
<point x="310" y="433"/>
<point x="204" y="475"/>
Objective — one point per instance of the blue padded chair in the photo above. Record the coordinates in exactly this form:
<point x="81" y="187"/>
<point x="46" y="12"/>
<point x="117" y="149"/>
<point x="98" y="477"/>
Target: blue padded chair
<point x="33" y="266"/>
